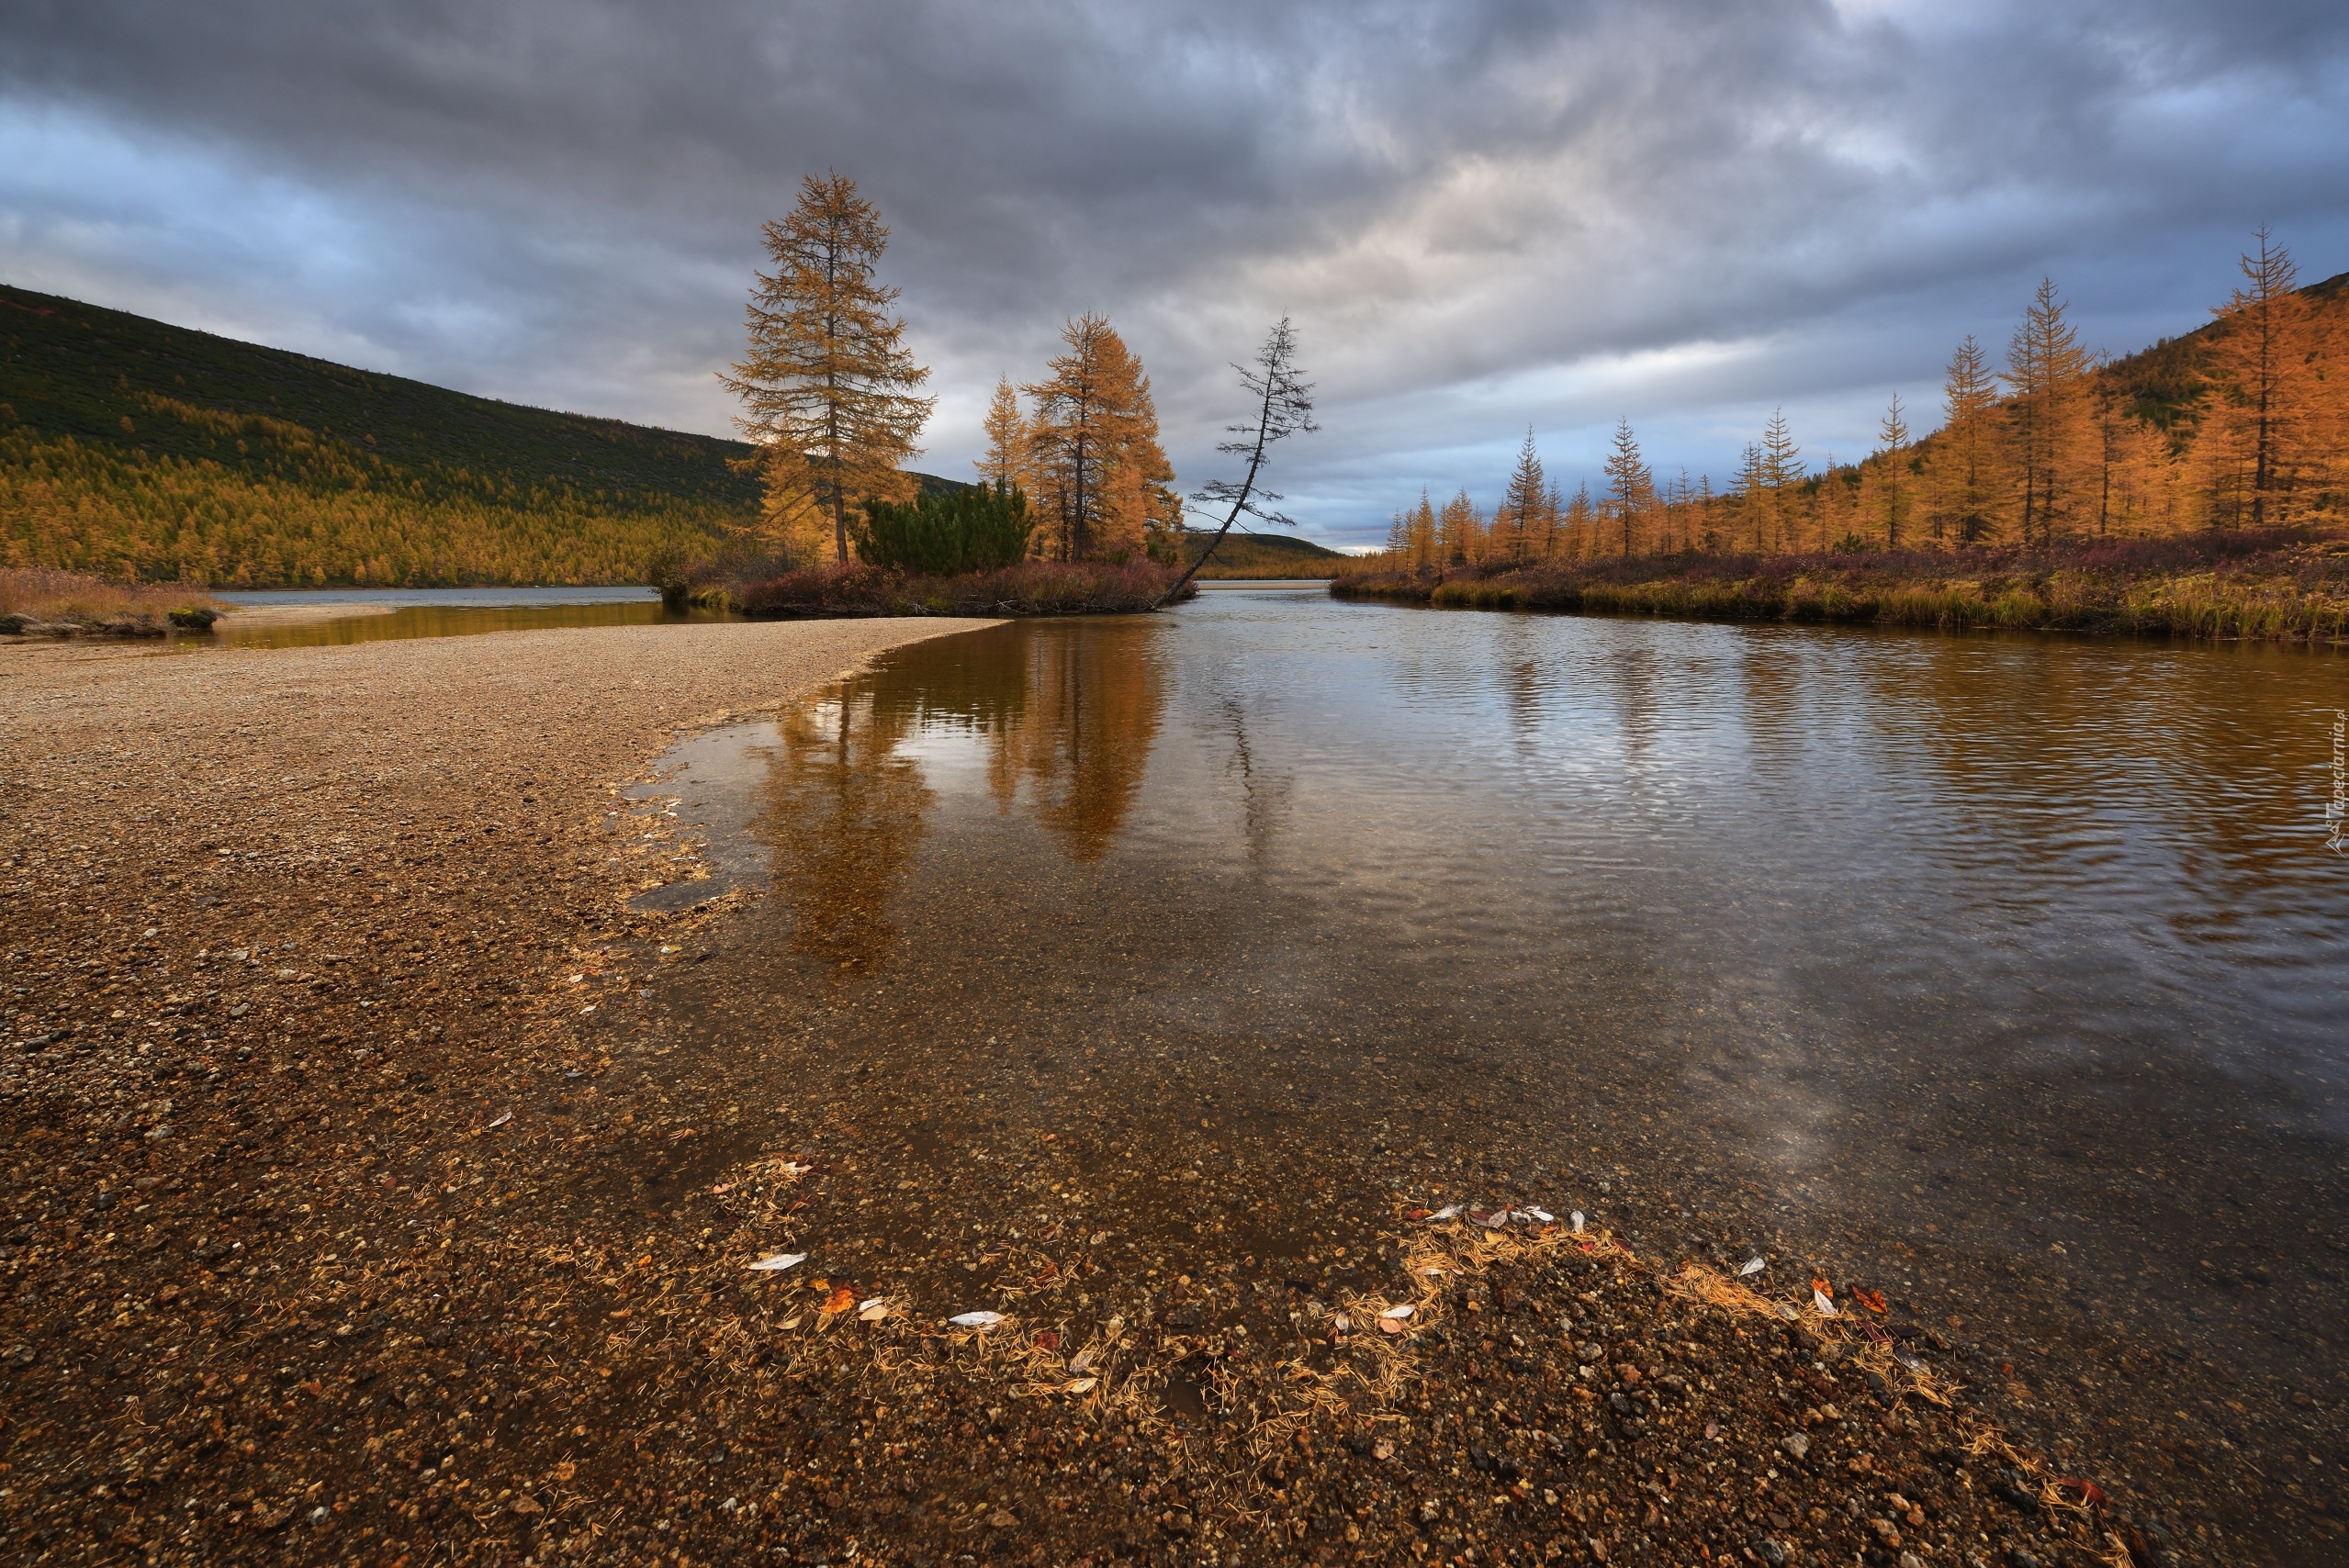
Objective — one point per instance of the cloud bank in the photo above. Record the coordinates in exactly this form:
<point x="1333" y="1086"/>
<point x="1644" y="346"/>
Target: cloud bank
<point x="1483" y="217"/>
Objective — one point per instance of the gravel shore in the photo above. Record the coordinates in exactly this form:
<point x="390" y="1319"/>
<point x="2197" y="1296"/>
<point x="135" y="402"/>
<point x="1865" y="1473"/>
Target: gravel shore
<point x="366" y="1203"/>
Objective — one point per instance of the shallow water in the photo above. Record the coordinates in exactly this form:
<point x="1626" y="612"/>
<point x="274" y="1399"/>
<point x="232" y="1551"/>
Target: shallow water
<point x="2002" y="974"/>
<point x="431" y="621"/>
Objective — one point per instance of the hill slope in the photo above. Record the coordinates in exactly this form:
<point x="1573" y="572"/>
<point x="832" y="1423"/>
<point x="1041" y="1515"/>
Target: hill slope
<point x="128" y="447"/>
<point x="1244" y="554"/>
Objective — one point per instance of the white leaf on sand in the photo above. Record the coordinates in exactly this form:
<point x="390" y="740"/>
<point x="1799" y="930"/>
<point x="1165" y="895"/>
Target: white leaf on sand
<point x="1081" y="1361"/>
<point x="1577" y="1217"/>
<point x="1752" y="1266"/>
<point x="1819" y="1299"/>
<point x="791" y="1323"/>
<point x="1397" y="1313"/>
<point x="776" y="1262"/>
<point x="872" y="1309"/>
<point x="1391" y="1326"/>
<point x="1446" y="1212"/>
<point x="1544" y="1216"/>
<point x="1343" y="1322"/>
<point x="976" y="1319"/>
<point x="1079" y="1385"/>
<point x="501" y="1118"/>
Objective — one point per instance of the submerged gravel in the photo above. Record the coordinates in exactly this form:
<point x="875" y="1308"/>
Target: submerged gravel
<point x="383" y="1189"/>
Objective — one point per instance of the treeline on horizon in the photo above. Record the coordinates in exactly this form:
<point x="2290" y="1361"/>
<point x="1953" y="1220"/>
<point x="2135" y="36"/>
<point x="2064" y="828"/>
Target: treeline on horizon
<point x="2242" y="424"/>
<point x="133" y="449"/>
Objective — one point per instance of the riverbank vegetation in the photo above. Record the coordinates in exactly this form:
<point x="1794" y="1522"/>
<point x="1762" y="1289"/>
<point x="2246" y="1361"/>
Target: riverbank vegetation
<point x="2037" y="501"/>
<point x="37" y="601"/>
<point x="2280" y="583"/>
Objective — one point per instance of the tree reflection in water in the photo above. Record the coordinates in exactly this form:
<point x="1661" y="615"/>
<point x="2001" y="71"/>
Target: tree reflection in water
<point x="1066" y="717"/>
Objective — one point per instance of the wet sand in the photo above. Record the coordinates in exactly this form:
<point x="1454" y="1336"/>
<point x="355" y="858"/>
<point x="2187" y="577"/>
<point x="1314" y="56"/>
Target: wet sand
<point x="383" y="1188"/>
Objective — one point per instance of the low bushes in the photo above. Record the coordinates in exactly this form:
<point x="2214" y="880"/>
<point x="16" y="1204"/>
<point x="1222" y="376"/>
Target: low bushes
<point x="974" y="528"/>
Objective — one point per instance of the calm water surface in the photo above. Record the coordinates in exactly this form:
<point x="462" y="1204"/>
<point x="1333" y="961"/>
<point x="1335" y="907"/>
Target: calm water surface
<point x="2005" y="974"/>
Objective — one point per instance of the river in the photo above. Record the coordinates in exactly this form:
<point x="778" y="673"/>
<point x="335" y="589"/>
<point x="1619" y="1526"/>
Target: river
<point x="2004" y="975"/>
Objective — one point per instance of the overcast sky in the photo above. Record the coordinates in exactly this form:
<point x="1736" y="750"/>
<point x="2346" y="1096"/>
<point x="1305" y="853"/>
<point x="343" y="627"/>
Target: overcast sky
<point x="1482" y="217"/>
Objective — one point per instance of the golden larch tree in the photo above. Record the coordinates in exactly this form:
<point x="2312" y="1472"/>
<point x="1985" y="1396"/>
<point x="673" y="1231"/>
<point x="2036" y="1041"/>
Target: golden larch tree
<point x="2256" y="435"/>
<point x="1007" y="427"/>
<point x="1631" y="488"/>
<point x="1966" y="454"/>
<point x="2046" y="374"/>
<point x="1102" y="479"/>
<point x="1519" y="517"/>
<point x="1892" y="487"/>
<point x="828" y="387"/>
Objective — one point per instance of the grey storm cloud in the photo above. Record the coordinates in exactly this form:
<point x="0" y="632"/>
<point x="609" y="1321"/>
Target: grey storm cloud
<point x="1483" y="217"/>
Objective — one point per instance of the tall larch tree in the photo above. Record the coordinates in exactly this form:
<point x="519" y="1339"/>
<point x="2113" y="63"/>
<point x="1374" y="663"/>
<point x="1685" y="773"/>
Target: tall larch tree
<point x="1103" y="479"/>
<point x="1631" y="488"/>
<point x="2261" y="362"/>
<point x="1521" y="504"/>
<point x="830" y="393"/>
<point x="1892" y="487"/>
<point x="1966" y="455"/>
<point x="1783" y="469"/>
<point x="1006" y="430"/>
<point x="2046" y="374"/>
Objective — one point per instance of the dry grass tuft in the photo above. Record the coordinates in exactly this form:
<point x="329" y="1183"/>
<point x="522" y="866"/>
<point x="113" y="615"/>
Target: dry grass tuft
<point x="44" y="598"/>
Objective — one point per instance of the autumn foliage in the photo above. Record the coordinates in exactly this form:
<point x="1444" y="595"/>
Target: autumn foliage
<point x="2243" y="424"/>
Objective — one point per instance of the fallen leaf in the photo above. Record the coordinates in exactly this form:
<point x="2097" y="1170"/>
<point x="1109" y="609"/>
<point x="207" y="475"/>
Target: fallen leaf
<point x="1872" y="1300"/>
<point x="501" y="1118"/>
<point x="1079" y="1385"/>
<point x="1819" y="1300"/>
<point x="838" y="1301"/>
<point x="1544" y="1216"/>
<point x="1577" y="1217"/>
<point x="776" y="1262"/>
<point x="1822" y="1288"/>
<point x="1446" y="1212"/>
<point x="1081" y="1361"/>
<point x="873" y="1311"/>
<point x="976" y="1319"/>
<point x="1752" y="1266"/>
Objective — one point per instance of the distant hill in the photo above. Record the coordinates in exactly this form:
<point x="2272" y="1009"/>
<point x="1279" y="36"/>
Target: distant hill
<point x="1245" y="554"/>
<point x="131" y="447"/>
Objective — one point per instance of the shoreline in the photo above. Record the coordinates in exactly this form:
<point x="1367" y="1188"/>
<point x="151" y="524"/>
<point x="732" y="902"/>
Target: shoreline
<point x="418" y="1196"/>
<point x="2288" y="586"/>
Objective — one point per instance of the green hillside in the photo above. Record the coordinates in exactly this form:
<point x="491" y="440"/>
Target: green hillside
<point x="1262" y="555"/>
<point x="131" y="447"/>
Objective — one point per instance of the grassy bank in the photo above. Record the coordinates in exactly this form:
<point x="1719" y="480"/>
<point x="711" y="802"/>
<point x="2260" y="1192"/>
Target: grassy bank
<point x="35" y="602"/>
<point x="1032" y="587"/>
<point x="2287" y="585"/>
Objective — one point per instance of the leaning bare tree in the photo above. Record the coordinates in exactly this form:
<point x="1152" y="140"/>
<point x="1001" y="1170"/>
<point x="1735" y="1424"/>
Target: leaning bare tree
<point x="1284" y="408"/>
